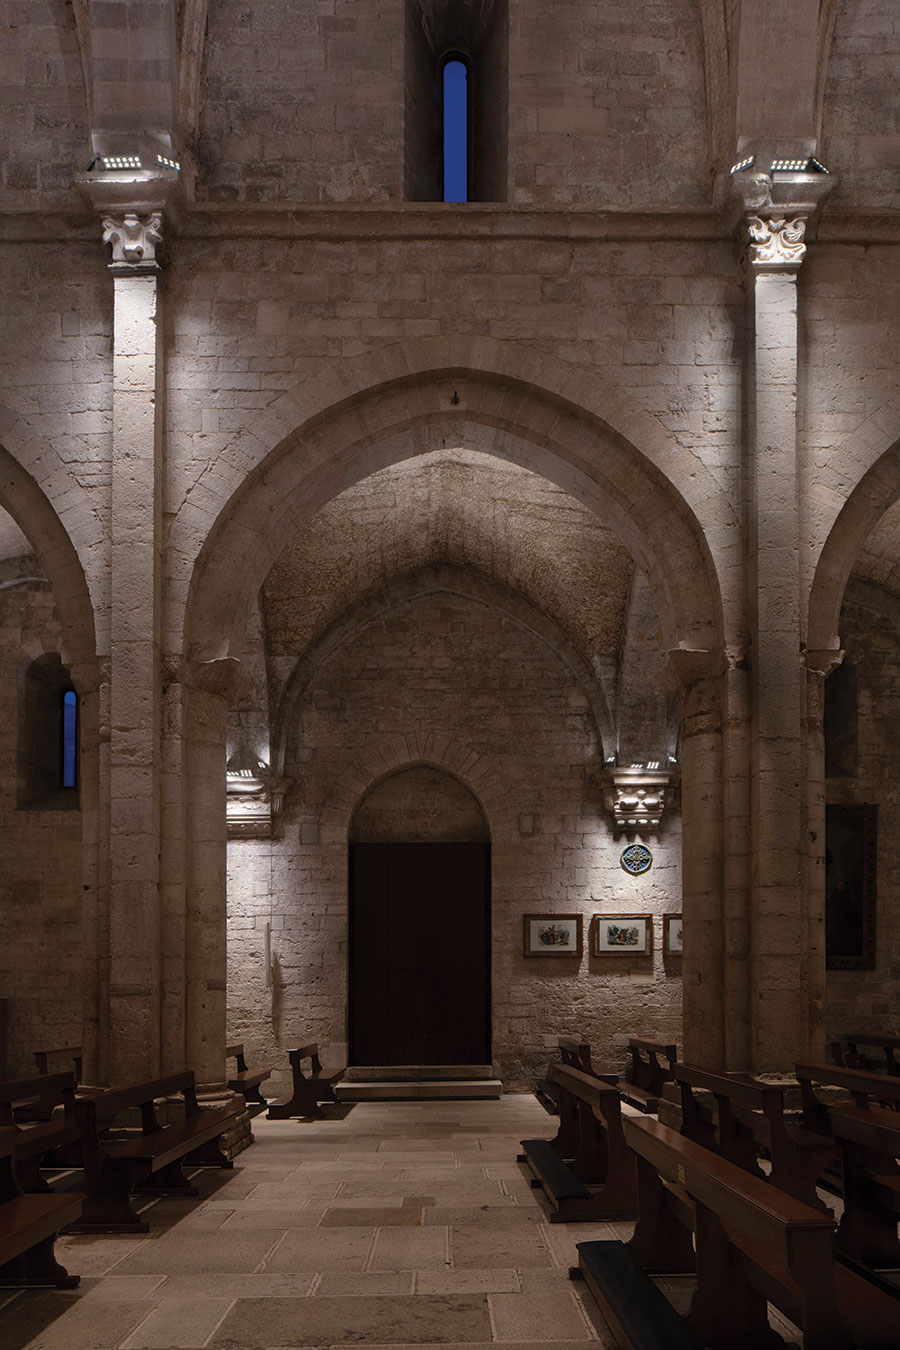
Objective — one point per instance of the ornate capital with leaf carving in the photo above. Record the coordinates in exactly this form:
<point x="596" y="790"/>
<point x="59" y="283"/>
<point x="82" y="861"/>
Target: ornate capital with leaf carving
<point x="134" y="238"/>
<point x="777" y="242"/>
<point x="637" y="796"/>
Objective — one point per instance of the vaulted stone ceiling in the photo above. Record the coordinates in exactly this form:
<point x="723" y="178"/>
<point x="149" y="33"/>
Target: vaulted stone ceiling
<point x="466" y="509"/>
<point x="879" y="561"/>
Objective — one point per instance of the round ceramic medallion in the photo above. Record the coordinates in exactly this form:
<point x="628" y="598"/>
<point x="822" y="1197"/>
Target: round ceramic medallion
<point x="636" y="859"/>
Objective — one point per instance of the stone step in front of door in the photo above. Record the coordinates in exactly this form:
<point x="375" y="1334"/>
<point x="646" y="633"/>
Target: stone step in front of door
<point x="437" y="1089"/>
<point x="397" y="1073"/>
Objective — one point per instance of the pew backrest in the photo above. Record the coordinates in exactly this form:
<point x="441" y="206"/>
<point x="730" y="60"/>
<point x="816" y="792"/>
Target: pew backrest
<point x="576" y="1054"/>
<point x="864" y="1088"/>
<point x="772" y="1219"/>
<point x="52" y="1089"/>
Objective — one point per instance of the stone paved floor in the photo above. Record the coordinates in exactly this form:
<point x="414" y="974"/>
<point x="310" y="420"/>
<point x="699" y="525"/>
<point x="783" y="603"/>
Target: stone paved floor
<point x="403" y="1223"/>
<point x="400" y="1224"/>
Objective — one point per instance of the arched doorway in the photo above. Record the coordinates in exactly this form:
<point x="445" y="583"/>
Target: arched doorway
<point x="419" y="913"/>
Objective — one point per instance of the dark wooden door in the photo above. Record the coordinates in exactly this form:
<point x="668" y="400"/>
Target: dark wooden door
<point x="419" y="954"/>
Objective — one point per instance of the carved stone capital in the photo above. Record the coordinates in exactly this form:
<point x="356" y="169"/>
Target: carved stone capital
<point x="637" y="796"/>
<point x="134" y="238"/>
<point x="825" y="661"/>
<point x="776" y="242"/>
<point x="253" y="803"/>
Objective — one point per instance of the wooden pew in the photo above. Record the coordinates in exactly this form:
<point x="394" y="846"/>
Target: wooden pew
<point x="750" y="1116"/>
<point x="866" y="1089"/>
<point x="37" y="1140"/>
<point x="577" y="1054"/>
<point x="44" y="1099"/>
<point x="869" y="1139"/>
<point x="754" y="1244"/>
<point x="889" y="1046"/>
<point x="308" y="1090"/>
<point x="246" y="1081"/>
<point x="578" y="1147"/>
<point x="29" y="1225"/>
<point x="115" y="1168"/>
<point x="644" y="1081"/>
<point x="600" y="1155"/>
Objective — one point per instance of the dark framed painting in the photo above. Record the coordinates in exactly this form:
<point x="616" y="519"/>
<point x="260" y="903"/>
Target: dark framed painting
<point x="623" y="934"/>
<point x="851" y="839"/>
<point x="553" y="935"/>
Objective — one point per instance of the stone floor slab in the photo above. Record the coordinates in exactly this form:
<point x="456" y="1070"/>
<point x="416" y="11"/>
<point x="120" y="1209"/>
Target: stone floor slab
<point x="409" y="1249"/>
<point x="426" y="1320"/>
<point x="219" y="1252"/>
<point x="337" y="1284"/>
<point x="179" y="1323"/>
<point x="372" y="1215"/>
<point x="61" y="1321"/>
<point x="260" y="1285"/>
<point x="550" y="1316"/>
<point x="518" y="1248"/>
<point x="322" y="1249"/>
<point x="467" y="1282"/>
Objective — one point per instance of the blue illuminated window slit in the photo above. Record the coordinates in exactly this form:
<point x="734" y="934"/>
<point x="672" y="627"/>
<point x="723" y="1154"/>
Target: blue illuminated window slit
<point x="69" y="737"/>
<point x="456" y="132"/>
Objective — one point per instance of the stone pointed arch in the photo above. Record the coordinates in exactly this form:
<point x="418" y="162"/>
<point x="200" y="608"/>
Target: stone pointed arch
<point x="21" y="496"/>
<point x="385" y="755"/>
<point x="473" y="585"/>
<point x="560" y="421"/>
<point x="874" y="493"/>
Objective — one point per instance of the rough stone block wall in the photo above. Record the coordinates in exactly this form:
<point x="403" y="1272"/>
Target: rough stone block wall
<point x="40" y="888"/>
<point x="43" y="112"/>
<point x="861" y="122"/>
<point x="56" y="375"/>
<point x="867" y="1000"/>
<point x="462" y="674"/>
<point x="303" y="102"/>
<point x="607" y="104"/>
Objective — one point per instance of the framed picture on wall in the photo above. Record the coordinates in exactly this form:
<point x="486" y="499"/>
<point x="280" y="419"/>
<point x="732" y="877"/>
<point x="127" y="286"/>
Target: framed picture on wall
<point x="553" y="935"/>
<point x="672" y="935"/>
<point x="623" y="934"/>
<point x="850" y="859"/>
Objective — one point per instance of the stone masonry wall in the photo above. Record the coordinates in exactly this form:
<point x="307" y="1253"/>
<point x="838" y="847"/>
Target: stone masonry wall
<point x="867" y="1000"/>
<point x="461" y="673"/>
<point x="861" y="122"/>
<point x="40" y="887"/>
<point x="44" y="137"/>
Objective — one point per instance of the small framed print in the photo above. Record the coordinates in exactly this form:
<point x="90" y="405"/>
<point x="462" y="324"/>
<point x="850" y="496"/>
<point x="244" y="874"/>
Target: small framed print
<point x="623" y="934"/>
<point x="553" y="935"/>
<point x="672" y="935"/>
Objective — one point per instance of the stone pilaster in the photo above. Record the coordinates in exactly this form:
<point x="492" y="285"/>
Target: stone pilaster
<point x="699" y="677"/>
<point x="135" y="612"/>
<point x="785" y="973"/>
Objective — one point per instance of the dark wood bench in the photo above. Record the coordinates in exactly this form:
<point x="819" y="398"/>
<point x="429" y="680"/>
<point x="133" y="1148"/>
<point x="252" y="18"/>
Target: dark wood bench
<point x="576" y="1053"/>
<point x="749" y="1117"/>
<point x="574" y="1145"/>
<point x="43" y="1099"/>
<point x="865" y="1089"/>
<point x="246" y="1081"/>
<point x="646" y="1075"/>
<point x="754" y="1245"/>
<point x="598" y="1154"/>
<point x="113" y="1168"/>
<point x="29" y="1225"/>
<point x="888" y="1047"/>
<point x="869" y="1139"/>
<point x="37" y="1140"/>
<point x="308" y="1090"/>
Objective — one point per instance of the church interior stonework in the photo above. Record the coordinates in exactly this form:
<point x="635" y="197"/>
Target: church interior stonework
<point x="437" y="616"/>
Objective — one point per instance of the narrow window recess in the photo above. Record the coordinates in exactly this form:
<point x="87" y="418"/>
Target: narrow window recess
<point x="456" y="130"/>
<point x="68" y="739"/>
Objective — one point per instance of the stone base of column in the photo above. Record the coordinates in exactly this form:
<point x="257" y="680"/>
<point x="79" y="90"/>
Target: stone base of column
<point x="239" y="1137"/>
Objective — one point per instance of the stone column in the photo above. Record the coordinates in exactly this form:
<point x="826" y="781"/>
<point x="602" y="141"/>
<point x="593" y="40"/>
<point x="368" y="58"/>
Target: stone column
<point x="785" y="1022"/>
<point x="135" y="610"/>
<point x="699" y="676"/>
